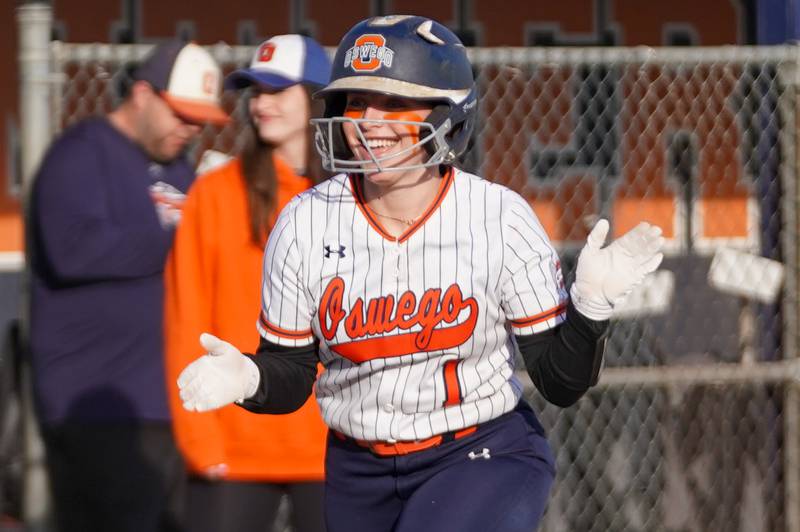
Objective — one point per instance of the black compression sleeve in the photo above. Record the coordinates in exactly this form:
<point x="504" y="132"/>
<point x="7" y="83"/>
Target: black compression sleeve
<point x="287" y="378"/>
<point x="565" y="361"/>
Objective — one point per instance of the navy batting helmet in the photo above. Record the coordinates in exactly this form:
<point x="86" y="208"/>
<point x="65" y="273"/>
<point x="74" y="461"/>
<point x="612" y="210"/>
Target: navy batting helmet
<point x="406" y="56"/>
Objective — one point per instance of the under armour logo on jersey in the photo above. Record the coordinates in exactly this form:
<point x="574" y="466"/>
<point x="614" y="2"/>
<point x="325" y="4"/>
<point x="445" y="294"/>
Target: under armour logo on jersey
<point x="339" y="251"/>
<point x="483" y="454"/>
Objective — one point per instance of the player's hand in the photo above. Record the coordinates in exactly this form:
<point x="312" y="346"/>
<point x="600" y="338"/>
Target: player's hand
<point x="605" y="275"/>
<point x="220" y="377"/>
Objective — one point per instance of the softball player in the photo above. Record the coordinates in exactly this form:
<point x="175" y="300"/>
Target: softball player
<point x="415" y="283"/>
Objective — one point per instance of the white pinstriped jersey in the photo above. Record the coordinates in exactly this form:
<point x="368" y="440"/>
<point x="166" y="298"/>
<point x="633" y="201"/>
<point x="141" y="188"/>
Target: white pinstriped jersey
<point x="416" y="332"/>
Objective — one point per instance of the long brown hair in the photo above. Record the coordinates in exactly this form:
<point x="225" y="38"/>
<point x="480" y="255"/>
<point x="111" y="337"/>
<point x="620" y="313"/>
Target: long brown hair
<point x="258" y="169"/>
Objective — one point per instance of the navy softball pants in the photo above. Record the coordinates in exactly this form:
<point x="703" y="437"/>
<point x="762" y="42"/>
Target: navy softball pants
<point x="496" y="479"/>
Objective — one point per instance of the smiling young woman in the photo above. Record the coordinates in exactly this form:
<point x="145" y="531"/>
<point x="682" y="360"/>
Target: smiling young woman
<point x="386" y="128"/>
<point x="415" y="284"/>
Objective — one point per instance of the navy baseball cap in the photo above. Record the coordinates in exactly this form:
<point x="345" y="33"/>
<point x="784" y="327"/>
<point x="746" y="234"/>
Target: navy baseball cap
<point x="188" y="79"/>
<point x="283" y="61"/>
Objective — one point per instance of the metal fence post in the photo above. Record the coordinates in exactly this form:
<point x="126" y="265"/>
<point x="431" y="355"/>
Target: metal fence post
<point x="788" y="103"/>
<point x="34" y="19"/>
<point x="35" y="22"/>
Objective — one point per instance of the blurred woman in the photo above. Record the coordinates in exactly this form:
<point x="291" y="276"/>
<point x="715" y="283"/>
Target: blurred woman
<point x="242" y="465"/>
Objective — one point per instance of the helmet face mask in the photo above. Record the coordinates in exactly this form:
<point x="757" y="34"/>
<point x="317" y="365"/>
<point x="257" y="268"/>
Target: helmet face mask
<point x="409" y="57"/>
<point x="431" y="139"/>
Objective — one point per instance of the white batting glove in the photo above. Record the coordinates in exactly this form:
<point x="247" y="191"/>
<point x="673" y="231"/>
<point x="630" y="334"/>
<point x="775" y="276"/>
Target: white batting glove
<point x="220" y="377"/>
<point x="605" y="275"/>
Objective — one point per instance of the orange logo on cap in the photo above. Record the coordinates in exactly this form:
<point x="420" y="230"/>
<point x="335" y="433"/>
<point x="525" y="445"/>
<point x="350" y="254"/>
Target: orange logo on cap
<point x="265" y="53"/>
<point x="369" y="53"/>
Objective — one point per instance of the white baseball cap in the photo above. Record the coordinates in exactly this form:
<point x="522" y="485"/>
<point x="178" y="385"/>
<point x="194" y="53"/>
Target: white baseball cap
<point x="188" y="79"/>
<point x="283" y="61"/>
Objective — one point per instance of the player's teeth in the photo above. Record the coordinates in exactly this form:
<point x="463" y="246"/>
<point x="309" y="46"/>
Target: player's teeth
<point x="376" y="143"/>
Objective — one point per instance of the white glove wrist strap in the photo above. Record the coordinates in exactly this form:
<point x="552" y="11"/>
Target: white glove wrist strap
<point x="253" y="378"/>
<point x="591" y="308"/>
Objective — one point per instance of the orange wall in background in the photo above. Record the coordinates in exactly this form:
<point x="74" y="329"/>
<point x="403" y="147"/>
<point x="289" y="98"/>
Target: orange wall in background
<point x="482" y="21"/>
<point x="10" y="224"/>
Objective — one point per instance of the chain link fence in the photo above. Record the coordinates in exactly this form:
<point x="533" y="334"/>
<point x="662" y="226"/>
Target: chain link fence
<point x="693" y="426"/>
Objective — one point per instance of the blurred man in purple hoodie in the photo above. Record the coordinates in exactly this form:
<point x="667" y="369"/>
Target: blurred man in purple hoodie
<point x="104" y="206"/>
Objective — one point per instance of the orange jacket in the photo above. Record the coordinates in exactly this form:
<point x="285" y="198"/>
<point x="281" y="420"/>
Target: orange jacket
<point x="213" y="283"/>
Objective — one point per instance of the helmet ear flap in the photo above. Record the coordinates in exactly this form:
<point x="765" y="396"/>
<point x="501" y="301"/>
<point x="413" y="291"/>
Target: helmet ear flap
<point x="457" y="137"/>
<point x="438" y="116"/>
